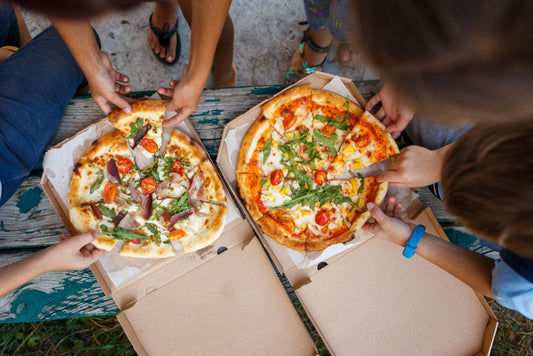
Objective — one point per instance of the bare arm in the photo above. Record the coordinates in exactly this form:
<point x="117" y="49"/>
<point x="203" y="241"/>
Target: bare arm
<point x="472" y="268"/>
<point x="105" y="82"/>
<point x="71" y="253"/>
<point x="207" y="21"/>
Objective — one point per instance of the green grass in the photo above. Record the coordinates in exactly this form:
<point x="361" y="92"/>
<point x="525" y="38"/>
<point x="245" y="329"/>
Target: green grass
<point x="104" y="336"/>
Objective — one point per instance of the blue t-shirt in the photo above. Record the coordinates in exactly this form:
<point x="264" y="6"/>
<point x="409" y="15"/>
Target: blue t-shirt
<point x="512" y="283"/>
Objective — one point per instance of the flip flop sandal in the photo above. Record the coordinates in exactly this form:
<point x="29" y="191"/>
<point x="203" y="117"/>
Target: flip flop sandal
<point x="292" y="75"/>
<point x="164" y="36"/>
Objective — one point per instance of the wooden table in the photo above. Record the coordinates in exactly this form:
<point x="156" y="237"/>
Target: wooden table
<point x="28" y="221"/>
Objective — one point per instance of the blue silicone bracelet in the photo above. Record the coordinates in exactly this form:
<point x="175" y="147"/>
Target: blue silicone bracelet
<point x="412" y="243"/>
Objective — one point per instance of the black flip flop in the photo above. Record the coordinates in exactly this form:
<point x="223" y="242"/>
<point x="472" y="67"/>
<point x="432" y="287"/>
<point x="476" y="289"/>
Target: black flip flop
<point x="164" y="36"/>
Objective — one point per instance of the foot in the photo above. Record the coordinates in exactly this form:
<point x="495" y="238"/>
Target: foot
<point x="164" y="18"/>
<point x="225" y="77"/>
<point x="347" y="55"/>
<point x="309" y="55"/>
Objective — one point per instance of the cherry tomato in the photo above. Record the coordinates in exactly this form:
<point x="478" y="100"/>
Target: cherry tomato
<point x="149" y="145"/>
<point x="176" y="234"/>
<point x="276" y="177"/>
<point x="320" y="177"/>
<point x="177" y="167"/>
<point x="136" y="241"/>
<point x="322" y="217"/>
<point x="124" y="165"/>
<point x="148" y="185"/>
<point x="329" y="130"/>
<point x="362" y="141"/>
<point x="110" y="192"/>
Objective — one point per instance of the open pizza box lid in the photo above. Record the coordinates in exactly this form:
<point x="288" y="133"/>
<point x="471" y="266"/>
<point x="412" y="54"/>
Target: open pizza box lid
<point x="223" y="298"/>
<point x="369" y="299"/>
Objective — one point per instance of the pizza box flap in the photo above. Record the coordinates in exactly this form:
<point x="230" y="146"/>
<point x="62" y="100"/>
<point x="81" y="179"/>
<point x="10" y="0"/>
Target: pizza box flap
<point x="421" y="309"/>
<point x="233" y="304"/>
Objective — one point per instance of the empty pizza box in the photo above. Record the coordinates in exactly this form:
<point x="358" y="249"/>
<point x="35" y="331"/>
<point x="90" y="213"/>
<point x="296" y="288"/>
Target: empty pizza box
<point x="227" y="298"/>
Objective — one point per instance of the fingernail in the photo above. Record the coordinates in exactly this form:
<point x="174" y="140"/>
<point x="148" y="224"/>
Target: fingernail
<point x="127" y="110"/>
<point x="169" y="59"/>
<point x="370" y="206"/>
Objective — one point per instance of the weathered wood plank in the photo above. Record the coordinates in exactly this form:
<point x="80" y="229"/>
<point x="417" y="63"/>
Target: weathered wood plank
<point x="55" y="295"/>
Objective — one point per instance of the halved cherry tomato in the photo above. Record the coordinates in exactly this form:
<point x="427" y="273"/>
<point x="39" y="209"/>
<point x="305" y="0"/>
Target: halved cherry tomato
<point x="176" y="234"/>
<point x="149" y="145"/>
<point x="110" y="192"/>
<point x="276" y="177"/>
<point x="329" y="130"/>
<point x="148" y="185"/>
<point x="362" y="141"/>
<point x="124" y="165"/>
<point x="177" y="167"/>
<point x="322" y="217"/>
<point x="320" y="177"/>
<point x="136" y="241"/>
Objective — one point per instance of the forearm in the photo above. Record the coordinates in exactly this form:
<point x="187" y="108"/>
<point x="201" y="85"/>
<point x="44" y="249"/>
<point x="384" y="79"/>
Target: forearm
<point x="23" y="271"/>
<point x="472" y="268"/>
<point x="81" y="41"/>
<point x="441" y="152"/>
<point x="208" y="19"/>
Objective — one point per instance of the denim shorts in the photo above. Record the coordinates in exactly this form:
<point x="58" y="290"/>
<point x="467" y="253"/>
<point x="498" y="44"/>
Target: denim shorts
<point x="36" y="85"/>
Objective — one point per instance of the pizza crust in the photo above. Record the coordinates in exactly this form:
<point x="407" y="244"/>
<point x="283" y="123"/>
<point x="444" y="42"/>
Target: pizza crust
<point x="148" y="251"/>
<point x="182" y="145"/>
<point x="259" y="130"/>
<point x="326" y="98"/>
<point x="151" y="110"/>
<point x="272" y="226"/>
<point x="270" y="108"/>
<point x="249" y="189"/>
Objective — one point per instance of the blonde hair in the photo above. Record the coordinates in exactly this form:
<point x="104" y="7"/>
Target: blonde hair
<point x="488" y="183"/>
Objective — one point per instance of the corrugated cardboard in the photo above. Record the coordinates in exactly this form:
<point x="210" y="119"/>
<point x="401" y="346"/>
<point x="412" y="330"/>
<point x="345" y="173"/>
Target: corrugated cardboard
<point x="370" y="299"/>
<point x="223" y="298"/>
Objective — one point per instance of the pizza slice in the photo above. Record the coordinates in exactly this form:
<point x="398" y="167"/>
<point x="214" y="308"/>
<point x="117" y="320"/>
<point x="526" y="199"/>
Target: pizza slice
<point x="291" y="110"/>
<point x="360" y="191"/>
<point x="333" y="118"/>
<point x="326" y="227"/>
<point x="367" y="143"/>
<point x="143" y="128"/>
<point x="282" y="226"/>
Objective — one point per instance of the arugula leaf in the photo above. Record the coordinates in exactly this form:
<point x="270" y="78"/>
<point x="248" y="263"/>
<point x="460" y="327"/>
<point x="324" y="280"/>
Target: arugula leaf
<point x="98" y="182"/>
<point x="338" y="121"/>
<point x="362" y="185"/>
<point x="266" y="150"/>
<point x="263" y="181"/>
<point x="320" y="195"/>
<point x="153" y="229"/>
<point x="136" y="127"/>
<point x="108" y="212"/>
<point x="179" y="205"/>
<point x="304" y="179"/>
<point x="120" y="233"/>
<point x="166" y="166"/>
<point x="326" y="141"/>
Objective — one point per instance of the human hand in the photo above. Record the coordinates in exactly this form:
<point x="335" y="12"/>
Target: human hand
<point x="394" y="114"/>
<point x="72" y="253"/>
<point x="415" y="166"/>
<point x="107" y="85"/>
<point x="185" y="95"/>
<point x="388" y="223"/>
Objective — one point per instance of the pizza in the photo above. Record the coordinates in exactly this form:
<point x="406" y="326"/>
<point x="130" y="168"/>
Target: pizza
<point x="177" y="200"/>
<point x="297" y="168"/>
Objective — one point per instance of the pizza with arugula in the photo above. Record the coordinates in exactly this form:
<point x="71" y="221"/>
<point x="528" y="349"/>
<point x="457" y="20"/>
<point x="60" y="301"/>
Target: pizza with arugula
<point x="296" y="167"/>
<point x="174" y="200"/>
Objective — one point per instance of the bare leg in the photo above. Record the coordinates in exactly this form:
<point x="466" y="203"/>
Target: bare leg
<point x="165" y="12"/>
<point x="224" y="71"/>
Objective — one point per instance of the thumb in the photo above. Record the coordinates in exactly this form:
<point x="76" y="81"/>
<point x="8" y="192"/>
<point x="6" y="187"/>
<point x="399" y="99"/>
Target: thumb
<point x="83" y="239"/>
<point x="179" y="117"/>
<point x="378" y="214"/>
<point x="121" y="102"/>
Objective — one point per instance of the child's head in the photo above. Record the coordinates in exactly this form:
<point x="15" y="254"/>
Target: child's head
<point x="452" y="59"/>
<point x="487" y="179"/>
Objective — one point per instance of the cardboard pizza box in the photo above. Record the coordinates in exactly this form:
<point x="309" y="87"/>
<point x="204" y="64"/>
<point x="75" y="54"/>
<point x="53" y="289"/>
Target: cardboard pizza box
<point x="225" y="298"/>
<point x="369" y="299"/>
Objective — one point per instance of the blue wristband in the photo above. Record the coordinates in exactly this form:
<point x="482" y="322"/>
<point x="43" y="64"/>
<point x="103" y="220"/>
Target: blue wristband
<point x="412" y="243"/>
